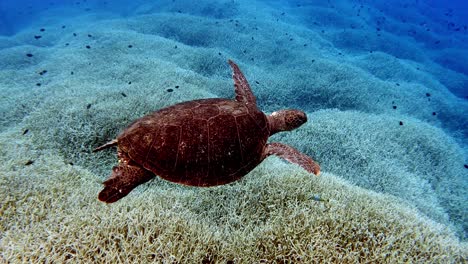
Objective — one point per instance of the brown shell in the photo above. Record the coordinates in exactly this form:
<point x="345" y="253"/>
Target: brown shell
<point x="201" y="143"/>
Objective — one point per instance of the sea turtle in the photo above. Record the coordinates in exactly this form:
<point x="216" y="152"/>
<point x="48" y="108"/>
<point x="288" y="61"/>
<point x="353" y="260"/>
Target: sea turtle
<point x="203" y="142"/>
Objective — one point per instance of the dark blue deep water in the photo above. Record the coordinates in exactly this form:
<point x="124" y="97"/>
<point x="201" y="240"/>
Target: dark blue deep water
<point x="440" y="27"/>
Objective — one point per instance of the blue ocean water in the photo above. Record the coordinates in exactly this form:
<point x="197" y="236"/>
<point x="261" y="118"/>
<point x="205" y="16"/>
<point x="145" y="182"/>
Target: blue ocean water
<point x="439" y="27"/>
<point x="370" y="64"/>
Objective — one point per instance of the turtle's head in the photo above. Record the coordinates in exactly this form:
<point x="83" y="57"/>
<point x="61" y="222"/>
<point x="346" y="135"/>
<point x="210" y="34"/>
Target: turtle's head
<point x="286" y="120"/>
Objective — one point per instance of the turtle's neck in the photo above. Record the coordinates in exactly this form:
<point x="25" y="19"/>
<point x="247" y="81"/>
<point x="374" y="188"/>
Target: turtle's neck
<point x="276" y="123"/>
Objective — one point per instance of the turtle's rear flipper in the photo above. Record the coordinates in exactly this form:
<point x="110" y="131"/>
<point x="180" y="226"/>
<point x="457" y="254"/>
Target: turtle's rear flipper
<point x="124" y="178"/>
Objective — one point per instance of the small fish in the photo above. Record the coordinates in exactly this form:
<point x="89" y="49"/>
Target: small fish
<point x="319" y="199"/>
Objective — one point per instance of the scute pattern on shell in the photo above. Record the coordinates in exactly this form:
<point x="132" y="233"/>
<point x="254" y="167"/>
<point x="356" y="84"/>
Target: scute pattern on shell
<point x="204" y="142"/>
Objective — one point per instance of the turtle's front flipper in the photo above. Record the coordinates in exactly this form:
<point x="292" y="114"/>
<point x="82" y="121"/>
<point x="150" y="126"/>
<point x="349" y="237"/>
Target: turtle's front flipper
<point x="124" y="178"/>
<point x="292" y="155"/>
<point x="242" y="88"/>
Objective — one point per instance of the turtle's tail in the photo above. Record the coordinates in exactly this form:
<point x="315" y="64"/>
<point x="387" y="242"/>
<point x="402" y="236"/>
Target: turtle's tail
<point x="107" y="145"/>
